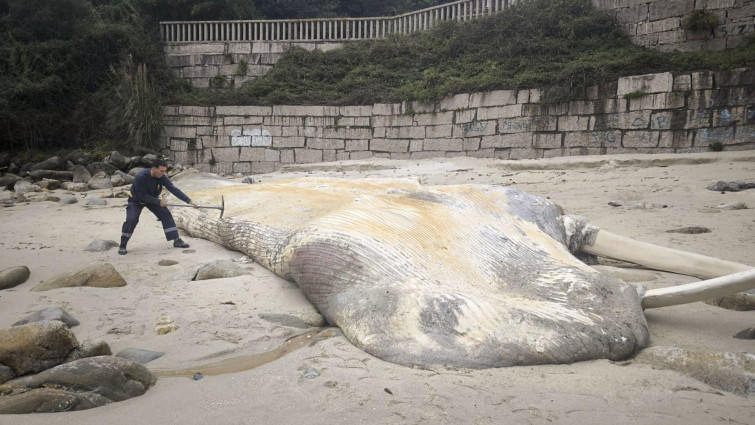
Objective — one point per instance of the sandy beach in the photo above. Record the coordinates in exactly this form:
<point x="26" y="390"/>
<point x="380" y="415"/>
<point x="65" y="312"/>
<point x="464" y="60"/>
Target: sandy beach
<point x="226" y="318"/>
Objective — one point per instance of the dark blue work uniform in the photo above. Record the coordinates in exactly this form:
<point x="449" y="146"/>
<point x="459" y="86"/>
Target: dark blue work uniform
<point x="144" y="193"/>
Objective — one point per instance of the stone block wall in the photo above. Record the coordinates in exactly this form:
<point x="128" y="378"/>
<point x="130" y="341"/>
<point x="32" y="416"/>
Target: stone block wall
<point x="201" y="62"/>
<point x="658" y="23"/>
<point x="655" y="113"/>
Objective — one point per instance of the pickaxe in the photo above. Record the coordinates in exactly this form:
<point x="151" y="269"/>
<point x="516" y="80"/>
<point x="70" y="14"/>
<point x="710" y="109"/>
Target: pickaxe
<point x="221" y="207"/>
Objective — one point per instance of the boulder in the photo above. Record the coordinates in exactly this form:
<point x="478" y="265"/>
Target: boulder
<point x="88" y="382"/>
<point x="97" y="275"/>
<point x="13" y="276"/>
<point x="118" y="160"/>
<point x="9" y="180"/>
<point x="37" y="175"/>
<point x="89" y="348"/>
<point x="24" y="186"/>
<point x="97" y="167"/>
<point x="117" y="180"/>
<point x="49" y="184"/>
<point x="99" y="183"/>
<point x="138" y="355"/>
<point x="736" y="302"/>
<point x="6" y="374"/>
<point x="94" y="200"/>
<point x="127" y="178"/>
<point x="218" y="269"/>
<point x="54" y="163"/>
<point x="68" y="200"/>
<point x="100" y="245"/>
<point x="81" y="174"/>
<point x="75" y="187"/>
<point x="35" y="347"/>
<point x="132" y="172"/>
<point x="80" y="158"/>
<point x="148" y="160"/>
<point x="49" y="314"/>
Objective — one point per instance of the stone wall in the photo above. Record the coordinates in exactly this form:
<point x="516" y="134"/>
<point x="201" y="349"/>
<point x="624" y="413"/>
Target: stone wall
<point x="201" y="63"/>
<point x="658" y="23"/>
<point x="656" y="113"/>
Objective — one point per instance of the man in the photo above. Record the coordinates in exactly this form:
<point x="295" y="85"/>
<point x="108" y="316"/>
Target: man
<point x="145" y="191"/>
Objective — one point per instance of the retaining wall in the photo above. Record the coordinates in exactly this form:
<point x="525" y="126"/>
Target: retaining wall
<point x="674" y="113"/>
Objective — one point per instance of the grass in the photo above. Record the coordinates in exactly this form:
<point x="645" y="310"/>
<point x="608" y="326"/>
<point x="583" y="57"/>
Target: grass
<point x="561" y="46"/>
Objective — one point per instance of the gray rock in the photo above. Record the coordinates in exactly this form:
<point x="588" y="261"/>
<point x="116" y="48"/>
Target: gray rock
<point x="49" y="184"/>
<point x="733" y="186"/>
<point x="49" y="314"/>
<point x="23" y="186"/>
<point x="9" y="180"/>
<point x="310" y="373"/>
<point x="748" y="333"/>
<point x="132" y="172"/>
<point x="54" y="163"/>
<point x="51" y="198"/>
<point x="13" y="276"/>
<point x="6" y="374"/>
<point x="98" y="275"/>
<point x="736" y="302"/>
<point x="97" y="167"/>
<point x="68" y="200"/>
<point x="81" y="174"/>
<point x="248" y="180"/>
<point x="97" y="380"/>
<point x="100" y="183"/>
<point x="89" y="348"/>
<point x="167" y="263"/>
<point x="117" y="180"/>
<point x="75" y="187"/>
<point x="148" y="159"/>
<point x="94" y="200"/>
<point x="119" y="160"/>
<point x="80" y="158"/>
<point x="51" y="174"/>
<point x="138" y="355"/>
<point x="100" y="245"/>
<point x="48" y="400"/>
<point x="218" y="269"/>
<point x="35" y="347"/>
<point x="127" y="178"/>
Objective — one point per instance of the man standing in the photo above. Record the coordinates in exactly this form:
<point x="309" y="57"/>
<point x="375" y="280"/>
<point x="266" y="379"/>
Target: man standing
<point x="145" y="191"/>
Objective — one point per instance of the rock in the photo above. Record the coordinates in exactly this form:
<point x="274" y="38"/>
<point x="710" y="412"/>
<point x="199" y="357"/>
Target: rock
<point x="49" y="184"/>
<point x="733" y="372"/>
<point x="51" y="198"/>
<point x="23" y="186"/>
<point x="218" y="269"/>
<point x="165" y="325"/>
<point x="303" y="320"/>
<point x="117" y="180"/>
<point x="695" y="230"/>
<point x="138" y="355"/>
<point x="54" y="163"/>
<point x="94" y="200"/>
<point x="97" y="167"/>
<point x="748" y="333"/>
<point x="132" y="172"/>
<point x="93" y="381"/>
<point x="48" y="400"/>
<point x="75" y="187"/>
<point x="80" y="158"/>
<point x="198" y="376"/>
<point x="127" y="178"/>
<point x="736" y="302"/>
<point x="167" y="263"/>
<point x="13" y="276"/>
<point x="6" y="374"/>
<point x="119" y="160"/>
<point x="310" y="373"/>
<point x="51" y="174"/>
<point x="734" y="186"/>
<point x="100" y="245"/>
<point x="81" y="174"/>
<point x="9" y="180"/>
<point x="148" y="160"/>
<point x="732" y="206"/>
<point x="35" y="347"/>
<point x="100" y="183"/>
<point x="68" y="200"/>
<point x="49" y="314"/>
<point x="98" y="275"/>
<point x="90" y="348"/>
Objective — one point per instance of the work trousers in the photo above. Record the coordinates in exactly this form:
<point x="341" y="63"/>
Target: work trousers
<point x="134" y="210"/>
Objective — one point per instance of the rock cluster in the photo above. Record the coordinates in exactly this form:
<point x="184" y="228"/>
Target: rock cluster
<point x="43" y="368"/>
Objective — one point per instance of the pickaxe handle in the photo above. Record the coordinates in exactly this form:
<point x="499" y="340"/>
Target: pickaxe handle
<point x="221" y="207"/>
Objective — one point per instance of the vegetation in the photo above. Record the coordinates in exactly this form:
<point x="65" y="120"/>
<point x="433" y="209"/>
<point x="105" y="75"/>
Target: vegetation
<point x="700" y="21"/>
<point x="561" y="45"/>
<point x="636" y="94"/>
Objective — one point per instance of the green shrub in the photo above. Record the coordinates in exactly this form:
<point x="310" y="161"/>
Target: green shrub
<point x="242" y="67"/>
<point x="700" y="21"/>
<point x="636" y="94"/>
<point x="716" y="146"/>
<point x="138" y="112"/>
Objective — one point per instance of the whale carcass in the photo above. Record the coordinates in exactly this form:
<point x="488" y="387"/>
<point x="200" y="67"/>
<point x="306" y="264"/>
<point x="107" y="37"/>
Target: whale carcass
<point x="457" y="276"/>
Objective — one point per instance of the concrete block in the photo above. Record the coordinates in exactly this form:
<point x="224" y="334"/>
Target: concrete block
<point x="242" y="167"/>
<point x="386" y="109"/>
<point x="526" y="124"/>
<point x="421" y="108"/>
<point x="636" y="120"/>
<point x="242" y="121"/>
<point x="547" y="140"/>
<point x="288" y="142"/>
<point x="244" y="110"/>
<point x="649" y="83"/>
<point x="307" y="156"/>
<point x="591" y="139"/>
<point x="283" y="121"/>
<point x="360" y="155"/>
<point x="705" y="136"/>
<point x="287" y="156"/>
<point x="264" y="167"/>
<point x="437" y="118"/>
<point x="181" y="132"/>
<point x="240" y="48"/>
<point x="573" y="123"/>
<point x="297" y="110"/>
<point x="356" y="111"/>
<point x="416" y="145"/>
<point x="325" y="144"/>
<point x="702" y="80"/>
<point x="471" y="144"/>
<point x="226" y="155"/>
<point x="735" y="77"/>
<point x="386" y="145"/>
<point x="683" y="82"/>
<point x="555" y="153"/>
<point x="320" y="121"/>
<point x="455" y="145"/>
<point x="179" y="145"/>
<point x="393" y="121"/>
<point x="727" y="116"/>
<point x="272" y="155"/>
<point x="661" y="120"/>
<point x="289" y="131"/>
<point x="664" y="9"/>
<point x="521" y="153"/>
<point x="329" y="155"/>
<point x="427" y="154"/>
<point x="508" y="111"/>
<point x="493" y="98"/>
<point x="640" y="139"/>
<point x="439" y="131"/>
<point x="523" y="96"/>
<point x="651" y="101"/>
<point x="698" y="118"/>
<point x="357" y="145"/>
<point x="544" y="109"/>
<point x="581" y="107"/>
<point x="454" y="103"/>
<point x="403" y="133"/>
<point x="482" y="153"/>
<point x="400" y="155"/>
<point x="465" y="116"/>
<point x="198" y="111"/>
<point x="342" y="156"/>
<point x="517" y="140"/>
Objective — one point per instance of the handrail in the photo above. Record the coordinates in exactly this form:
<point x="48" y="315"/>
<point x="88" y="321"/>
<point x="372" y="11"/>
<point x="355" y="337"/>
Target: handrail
<point x="327" y="29"/>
